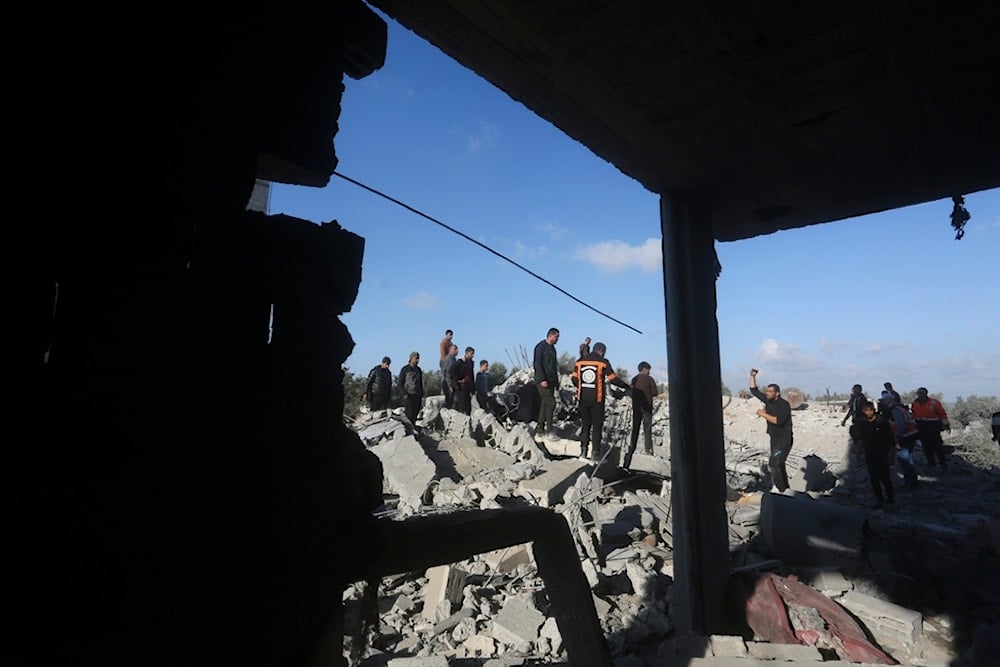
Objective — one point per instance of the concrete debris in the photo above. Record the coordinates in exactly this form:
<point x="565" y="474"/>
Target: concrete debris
<point x="834" y="578"/>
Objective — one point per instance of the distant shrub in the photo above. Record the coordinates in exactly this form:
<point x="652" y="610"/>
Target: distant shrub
<point x="974" y="408"/>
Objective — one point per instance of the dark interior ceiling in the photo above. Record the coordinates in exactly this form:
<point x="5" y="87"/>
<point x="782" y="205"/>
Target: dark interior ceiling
<point x="779" y="114"/>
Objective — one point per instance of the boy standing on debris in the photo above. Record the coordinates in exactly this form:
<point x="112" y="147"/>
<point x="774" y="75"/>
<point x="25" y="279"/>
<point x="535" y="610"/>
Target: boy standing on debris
<point x="777" y="412"/>
<point x="483" y="384"/>
<point x="643" y="390"/>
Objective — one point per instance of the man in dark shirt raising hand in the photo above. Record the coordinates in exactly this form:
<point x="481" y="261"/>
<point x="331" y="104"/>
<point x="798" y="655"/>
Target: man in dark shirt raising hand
<point x="778" y="414"/>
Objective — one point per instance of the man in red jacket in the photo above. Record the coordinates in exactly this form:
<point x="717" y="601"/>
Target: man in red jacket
<point x="931" y="420"/>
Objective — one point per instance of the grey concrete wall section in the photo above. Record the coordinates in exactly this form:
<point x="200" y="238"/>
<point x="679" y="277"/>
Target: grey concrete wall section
<point x="518" y="621"/>
<point x="886" y="621"/>
<point x="803" y="531"/>
<point x="406" y="469"/>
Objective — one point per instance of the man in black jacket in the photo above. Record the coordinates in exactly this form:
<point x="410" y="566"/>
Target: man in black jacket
<point x="546" y="366"/>
<point x="411" y="386"/>
<point x="777" y="412"/>
<point x="378" y="390"/>
<point x="643" y="390"/>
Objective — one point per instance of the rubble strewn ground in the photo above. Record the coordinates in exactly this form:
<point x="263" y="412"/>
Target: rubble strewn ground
<point x="917" y="583"/>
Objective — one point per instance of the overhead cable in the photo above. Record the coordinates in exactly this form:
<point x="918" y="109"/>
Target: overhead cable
<point x="484" y="247"/>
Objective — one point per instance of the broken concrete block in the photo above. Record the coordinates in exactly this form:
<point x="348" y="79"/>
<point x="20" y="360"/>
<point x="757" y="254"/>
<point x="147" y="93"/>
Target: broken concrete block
<point x="480" y="645"/>
<point x="888" y="622"/>
<point x="406" y="469"/>
<point x="506" y="560"/>
<point x="602" y="606"/>
<point x="444" y="583"/>
<point x="831" y="583"/>
<point x="554" y="479"/>
<point x="550" y="631"/>
<point x="428" y="661"/>
<point x="727" y="646"/>
<point x="784" y="652"/>
<point x="517" y="622"/>
<point x="453" y="620"/>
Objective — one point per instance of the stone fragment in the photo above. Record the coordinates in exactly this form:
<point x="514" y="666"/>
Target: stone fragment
<point x="727" y="646"/>
<point x="888" y="622"/>
<point x="444" y="584"/>
<point x="517" y="622"/>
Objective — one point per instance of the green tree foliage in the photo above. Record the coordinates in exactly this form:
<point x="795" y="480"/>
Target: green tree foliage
<point x="907" y="397"/>
<point x="566" y="363"/>
<point x="726" y="391"/>
<point x="973" y="408"/>
<point x="432" y="383"/>
<point x="497" y="372"/>
<point x="354" y="387"/>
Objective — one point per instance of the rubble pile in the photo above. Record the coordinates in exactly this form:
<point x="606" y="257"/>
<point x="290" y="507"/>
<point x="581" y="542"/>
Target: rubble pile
<point x="825" y="576"/>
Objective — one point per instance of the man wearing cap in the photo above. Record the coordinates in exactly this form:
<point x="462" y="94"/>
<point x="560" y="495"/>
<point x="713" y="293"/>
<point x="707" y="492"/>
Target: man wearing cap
<point x="931" y="420"/>
<point x="411" y="386"/>
<point x="378" y="390"/>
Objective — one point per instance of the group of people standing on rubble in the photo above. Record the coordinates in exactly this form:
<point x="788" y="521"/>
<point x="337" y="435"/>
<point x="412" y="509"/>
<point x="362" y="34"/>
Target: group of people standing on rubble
<point x="459" y="381"/>
<point x="592" y="376"/>
<point x="890" y="430"/>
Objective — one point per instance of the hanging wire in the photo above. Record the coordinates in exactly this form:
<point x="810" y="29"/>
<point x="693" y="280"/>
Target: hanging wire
<point x="484" y="247"/>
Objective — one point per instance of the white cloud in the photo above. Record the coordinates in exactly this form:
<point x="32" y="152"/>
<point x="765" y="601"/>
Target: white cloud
<point x="617" y="256"/>
<point x="485" y="137"/>
<point x="785" y="357"/>
<point x="554" y="230"/>
<point x="421" y="301"/>
<point x="529" y="252"/>
<point x="830" y="346"/>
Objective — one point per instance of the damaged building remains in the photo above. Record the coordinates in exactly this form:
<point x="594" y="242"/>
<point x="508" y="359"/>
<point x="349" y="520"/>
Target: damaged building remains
<point x="189" y="493"/>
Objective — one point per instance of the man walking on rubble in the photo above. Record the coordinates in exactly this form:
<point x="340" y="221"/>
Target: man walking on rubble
<point x="777" y="412"/>
<point x="878" y="442"/>
<point x="931" y="420"/>
<point x="591" y="376"/>
<point x="546" y="367"/>
<point x="411" y="386"/>
<point x="643" y="390"/>
<point x="854" y="403"/>
<point x="904" y="426"/>
<point x="378" y="389"/>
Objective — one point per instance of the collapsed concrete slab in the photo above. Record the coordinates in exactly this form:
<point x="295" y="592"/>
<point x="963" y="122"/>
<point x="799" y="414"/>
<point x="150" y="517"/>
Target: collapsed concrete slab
<point x="406" y="469"/>
<point x="554" y="478"/>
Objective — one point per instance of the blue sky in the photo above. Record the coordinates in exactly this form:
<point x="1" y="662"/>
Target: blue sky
<point x="888" y="296"/>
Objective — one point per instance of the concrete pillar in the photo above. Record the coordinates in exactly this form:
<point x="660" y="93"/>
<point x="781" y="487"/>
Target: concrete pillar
<point x="697" y="461"/>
